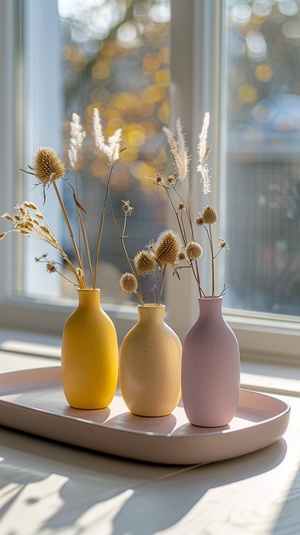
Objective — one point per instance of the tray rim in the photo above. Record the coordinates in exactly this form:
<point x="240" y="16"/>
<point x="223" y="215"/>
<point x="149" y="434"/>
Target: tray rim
<point x="281" y="419"/>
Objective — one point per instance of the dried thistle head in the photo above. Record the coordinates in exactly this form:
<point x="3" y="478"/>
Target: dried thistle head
<point x="144" y="262"/>
<point x="193" y="250"/>
<point x="167" y="247"/>
<point x="209" y="215"/>
<point x="48" y="166"/>
<point x="129" y="283"/>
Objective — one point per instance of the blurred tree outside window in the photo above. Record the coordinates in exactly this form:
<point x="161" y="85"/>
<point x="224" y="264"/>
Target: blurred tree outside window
<point x="261" y="191"/>
<point x="116" y="59"/>
<point x="114" y="56"/>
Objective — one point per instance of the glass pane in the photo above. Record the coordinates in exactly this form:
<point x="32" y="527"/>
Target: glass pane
<point x="262" y="199"/>
<point x="114" y="56"/>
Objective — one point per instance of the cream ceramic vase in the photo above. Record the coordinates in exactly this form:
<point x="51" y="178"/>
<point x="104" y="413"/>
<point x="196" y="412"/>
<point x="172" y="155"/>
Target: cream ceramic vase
<point x="210" y="368"/>
<point x="89" y="356"/>
<point x="150" y="365"/>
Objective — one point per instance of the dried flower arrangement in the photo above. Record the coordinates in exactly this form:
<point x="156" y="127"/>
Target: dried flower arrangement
<point x="151" y="262"/>
<point x="205" y="218"/>
<point x="177" y="250"/>
<point x="49" y="168"/>
<point x="177" y="190"/>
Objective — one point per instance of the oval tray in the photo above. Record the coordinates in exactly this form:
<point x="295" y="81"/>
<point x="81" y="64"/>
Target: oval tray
<point x="32" y="401"/>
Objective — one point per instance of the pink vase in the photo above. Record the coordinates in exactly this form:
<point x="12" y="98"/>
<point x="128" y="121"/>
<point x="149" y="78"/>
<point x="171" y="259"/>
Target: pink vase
<point x="210" y="368"/>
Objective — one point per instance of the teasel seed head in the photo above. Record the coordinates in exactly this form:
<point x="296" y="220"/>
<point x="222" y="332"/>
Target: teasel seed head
<point x="209" y="215"/>
<point x="129" y="283"/>
<point x="48" y="166"/>
<point x="167" y="247"/>
<point x="193" y="250"/>
<point x="144" y="262"/>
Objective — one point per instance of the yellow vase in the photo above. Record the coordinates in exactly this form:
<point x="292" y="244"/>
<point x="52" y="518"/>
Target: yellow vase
<point x="150" y="365"/>
<point x="89" y="357"/>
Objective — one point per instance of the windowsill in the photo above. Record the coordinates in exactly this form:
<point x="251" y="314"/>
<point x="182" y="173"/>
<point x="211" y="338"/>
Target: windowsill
<point x="20" y="350"/>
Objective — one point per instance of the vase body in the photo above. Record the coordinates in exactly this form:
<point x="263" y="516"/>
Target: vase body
<point x="89" y="358"/>
<point x="150" y="365"/>
<point x="210" y="368"/>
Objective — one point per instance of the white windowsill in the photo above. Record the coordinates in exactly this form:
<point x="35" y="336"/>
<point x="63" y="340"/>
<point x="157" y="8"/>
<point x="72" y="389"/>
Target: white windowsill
<point x="20" y="350"/>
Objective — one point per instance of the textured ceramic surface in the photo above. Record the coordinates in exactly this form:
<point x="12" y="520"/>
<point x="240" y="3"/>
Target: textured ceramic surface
<point x="89" y="357"/>
<point x="210" y="368"/>
<point x="150" y="365"/>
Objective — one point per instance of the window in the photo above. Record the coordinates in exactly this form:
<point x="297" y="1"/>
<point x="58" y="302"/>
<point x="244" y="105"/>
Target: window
<point x="238" y="59"/>
<point x="109" y="55"/>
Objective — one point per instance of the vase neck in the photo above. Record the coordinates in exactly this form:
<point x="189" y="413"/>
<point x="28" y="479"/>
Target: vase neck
<point x="211" y="307"/>
<point x="89" y="297"/>
<point x="151" y="313"/>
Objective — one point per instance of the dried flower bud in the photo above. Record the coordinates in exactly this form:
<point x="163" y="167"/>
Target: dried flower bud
<point x="144" y="262"/>
<point x="50" y="267"/>
<point x="199" y="220"/>
<point x="2" y="235"/>
<point x="193" y="250"/>
<point x="128" y="283"/>
<point x="30" y="205"/>
<point x="80" y="278"/>
<point x="40" y="258"/>
<point x="223" y="244"/>
<point x="181" y="256"/>
<point x="181" y="206"/>
<point x="48" y="166"/>
<point x="209" y="215"/>
<point x="158" y="179"/>
<point x="127" y="208"/>
<point x="45" y="229"/>
<point x="167" y="247"/>
<point x="8" y="217"/>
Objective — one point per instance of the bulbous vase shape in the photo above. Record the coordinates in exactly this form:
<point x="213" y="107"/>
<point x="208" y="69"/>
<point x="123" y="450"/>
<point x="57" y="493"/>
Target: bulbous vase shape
<point x="150" y="365"/>
<point x="89" y="357"/>
<point x="210" y="368"/>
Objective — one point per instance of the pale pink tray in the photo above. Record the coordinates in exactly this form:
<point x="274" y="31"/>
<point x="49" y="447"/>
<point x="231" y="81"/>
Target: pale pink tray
<point x="33" y="401"/>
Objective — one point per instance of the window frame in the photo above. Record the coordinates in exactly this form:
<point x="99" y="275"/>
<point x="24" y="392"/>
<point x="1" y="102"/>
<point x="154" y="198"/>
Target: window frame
<point x="195" y="88"/>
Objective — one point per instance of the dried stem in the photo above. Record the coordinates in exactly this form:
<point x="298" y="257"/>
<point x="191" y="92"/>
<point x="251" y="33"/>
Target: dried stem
<point x="101" y="228"/>
<point x="66" y="217"/>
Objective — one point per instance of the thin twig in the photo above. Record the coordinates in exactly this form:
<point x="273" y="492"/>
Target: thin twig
<point x="66" y="217"/>
<point x="99" y="238"/>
